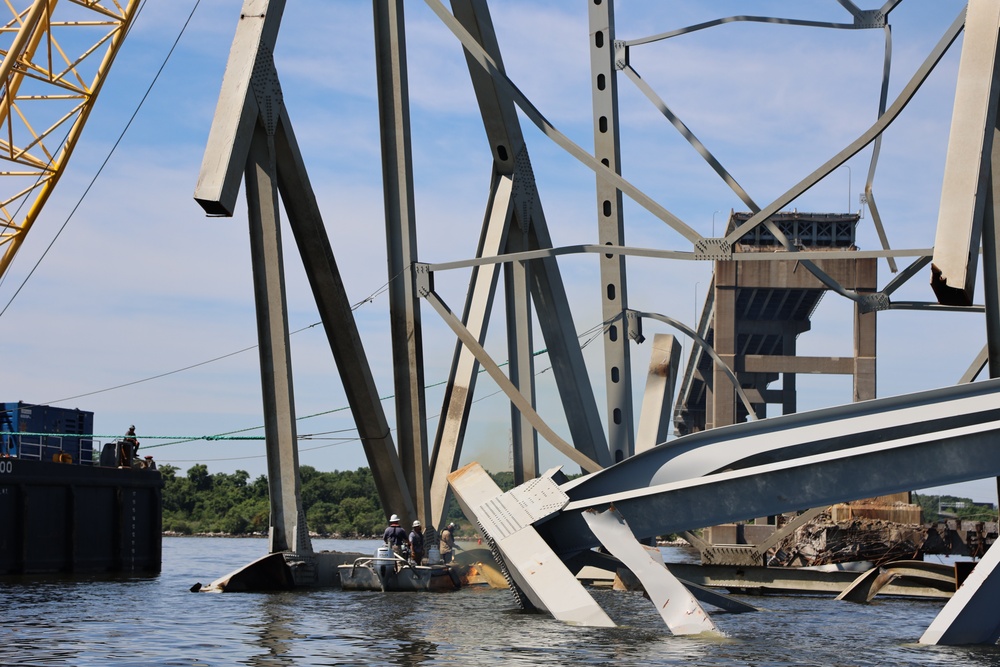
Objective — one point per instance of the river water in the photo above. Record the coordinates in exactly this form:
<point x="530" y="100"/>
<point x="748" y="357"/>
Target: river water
<point x="157" y="621"/>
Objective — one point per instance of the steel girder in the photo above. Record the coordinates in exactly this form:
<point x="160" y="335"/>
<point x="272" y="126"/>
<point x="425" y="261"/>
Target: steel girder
<point x="401" y="250"/>
<point x="966" y="186"/>
<point x="611" y="230"/>
<point x="514" y="222"/>
<point x="250" y="86"/>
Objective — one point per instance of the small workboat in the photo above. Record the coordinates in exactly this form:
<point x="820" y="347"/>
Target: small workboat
<point x="389" y="572"/>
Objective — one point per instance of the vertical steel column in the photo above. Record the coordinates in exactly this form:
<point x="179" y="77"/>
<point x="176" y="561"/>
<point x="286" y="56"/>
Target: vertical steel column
<point x="991" y="257"/>
<point x="991" y="270"/>
<point x="524" y="439"/>
<point x="401" y="246"/>
<point x="288" y="529"/>
<point x="611" y="230"/>
<point x="658" y="398"/>
<point x="864" y="354"/>
<point x="789" y="399"/>
<point x="722" y="411"/>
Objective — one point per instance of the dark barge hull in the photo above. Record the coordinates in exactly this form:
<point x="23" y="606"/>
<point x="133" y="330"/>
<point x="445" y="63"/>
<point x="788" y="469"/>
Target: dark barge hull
<point x="57" y="517"/>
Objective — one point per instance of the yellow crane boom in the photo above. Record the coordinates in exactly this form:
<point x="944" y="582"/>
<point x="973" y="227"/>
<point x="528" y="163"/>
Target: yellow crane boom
<point x="55" y="58"/>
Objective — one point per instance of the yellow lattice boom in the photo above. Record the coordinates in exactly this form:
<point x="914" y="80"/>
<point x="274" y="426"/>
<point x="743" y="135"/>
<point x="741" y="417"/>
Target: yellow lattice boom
<point x="55" y="58"/>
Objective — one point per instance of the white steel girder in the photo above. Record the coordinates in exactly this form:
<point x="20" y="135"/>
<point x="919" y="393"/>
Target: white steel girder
<point x="676" y="605"/>
<point x="968" y="161"/>
<point x="528" y="562"/>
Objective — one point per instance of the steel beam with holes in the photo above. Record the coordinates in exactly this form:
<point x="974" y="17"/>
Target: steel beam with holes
<point x="514" y="222"/>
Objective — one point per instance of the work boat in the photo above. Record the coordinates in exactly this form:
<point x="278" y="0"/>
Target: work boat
<point x="387" y="571"/>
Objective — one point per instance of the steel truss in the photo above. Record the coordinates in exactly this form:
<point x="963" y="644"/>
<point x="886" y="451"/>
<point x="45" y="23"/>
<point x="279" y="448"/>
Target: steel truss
<point x="809" y="470"/>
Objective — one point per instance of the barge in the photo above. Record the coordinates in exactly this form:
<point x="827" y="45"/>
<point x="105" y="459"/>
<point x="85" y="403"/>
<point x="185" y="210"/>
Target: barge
<point x="67" y="509"/>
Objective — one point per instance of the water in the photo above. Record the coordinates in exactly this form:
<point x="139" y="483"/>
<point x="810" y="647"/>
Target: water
<point x="156" y="621"/>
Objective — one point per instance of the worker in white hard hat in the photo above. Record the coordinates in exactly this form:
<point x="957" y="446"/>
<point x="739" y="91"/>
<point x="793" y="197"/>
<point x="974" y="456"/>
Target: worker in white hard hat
<point x="417" y="543"/>
<point x="394" y="536"/>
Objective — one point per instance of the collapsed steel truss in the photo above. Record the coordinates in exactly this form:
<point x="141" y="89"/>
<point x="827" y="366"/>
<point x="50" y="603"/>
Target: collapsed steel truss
<point x="258" y="144"/>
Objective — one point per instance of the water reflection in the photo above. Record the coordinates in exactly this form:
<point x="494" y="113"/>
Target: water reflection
<point x="399" y="624"/>
<point x="118" y="623"/>
<point x="274" y="630"/>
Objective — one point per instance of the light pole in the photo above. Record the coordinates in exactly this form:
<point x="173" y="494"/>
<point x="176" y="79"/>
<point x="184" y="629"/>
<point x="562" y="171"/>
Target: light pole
<point x="713" y="222"/>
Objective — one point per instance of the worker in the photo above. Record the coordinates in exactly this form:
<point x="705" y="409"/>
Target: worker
<point x="127" y="448"/>
<point x="394" y="536"/>
<point x="417" y="543"/>
<point x="8" y="446"/>
<point x="130" y="438"/>
<point x="448" y="545"/>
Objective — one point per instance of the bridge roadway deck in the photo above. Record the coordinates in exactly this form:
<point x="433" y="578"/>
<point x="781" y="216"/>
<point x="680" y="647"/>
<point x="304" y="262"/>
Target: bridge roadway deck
<point x="790" y="463"/>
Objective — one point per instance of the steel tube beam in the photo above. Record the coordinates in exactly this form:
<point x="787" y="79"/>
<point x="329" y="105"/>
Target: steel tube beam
<point x="658" y="398"/>
<point x="676" y="605"/>
<point x="904" y="97"/>
<point x="503" y="130"/>
<point x="401" y="242"/>
<point x="991" y="260"/>
<point x="970" y="617"/>
<point x="655" y="253"/>
<point x="250" y="99"/>
<point x="485" y="61"/>
<point x="237" y="111"/>
<point x="513" y="201"/>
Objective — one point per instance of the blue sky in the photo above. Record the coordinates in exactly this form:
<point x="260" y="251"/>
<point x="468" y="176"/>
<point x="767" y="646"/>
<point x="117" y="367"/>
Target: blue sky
<point x="141" y="283"/>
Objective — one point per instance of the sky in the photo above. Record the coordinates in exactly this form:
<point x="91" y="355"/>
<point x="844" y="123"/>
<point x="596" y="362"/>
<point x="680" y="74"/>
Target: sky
<point x="140" y="284"/>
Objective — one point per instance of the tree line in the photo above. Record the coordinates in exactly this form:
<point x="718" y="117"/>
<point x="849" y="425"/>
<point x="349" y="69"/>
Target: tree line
<point x="340" y="503"/>
<point x="939" y="508"/>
